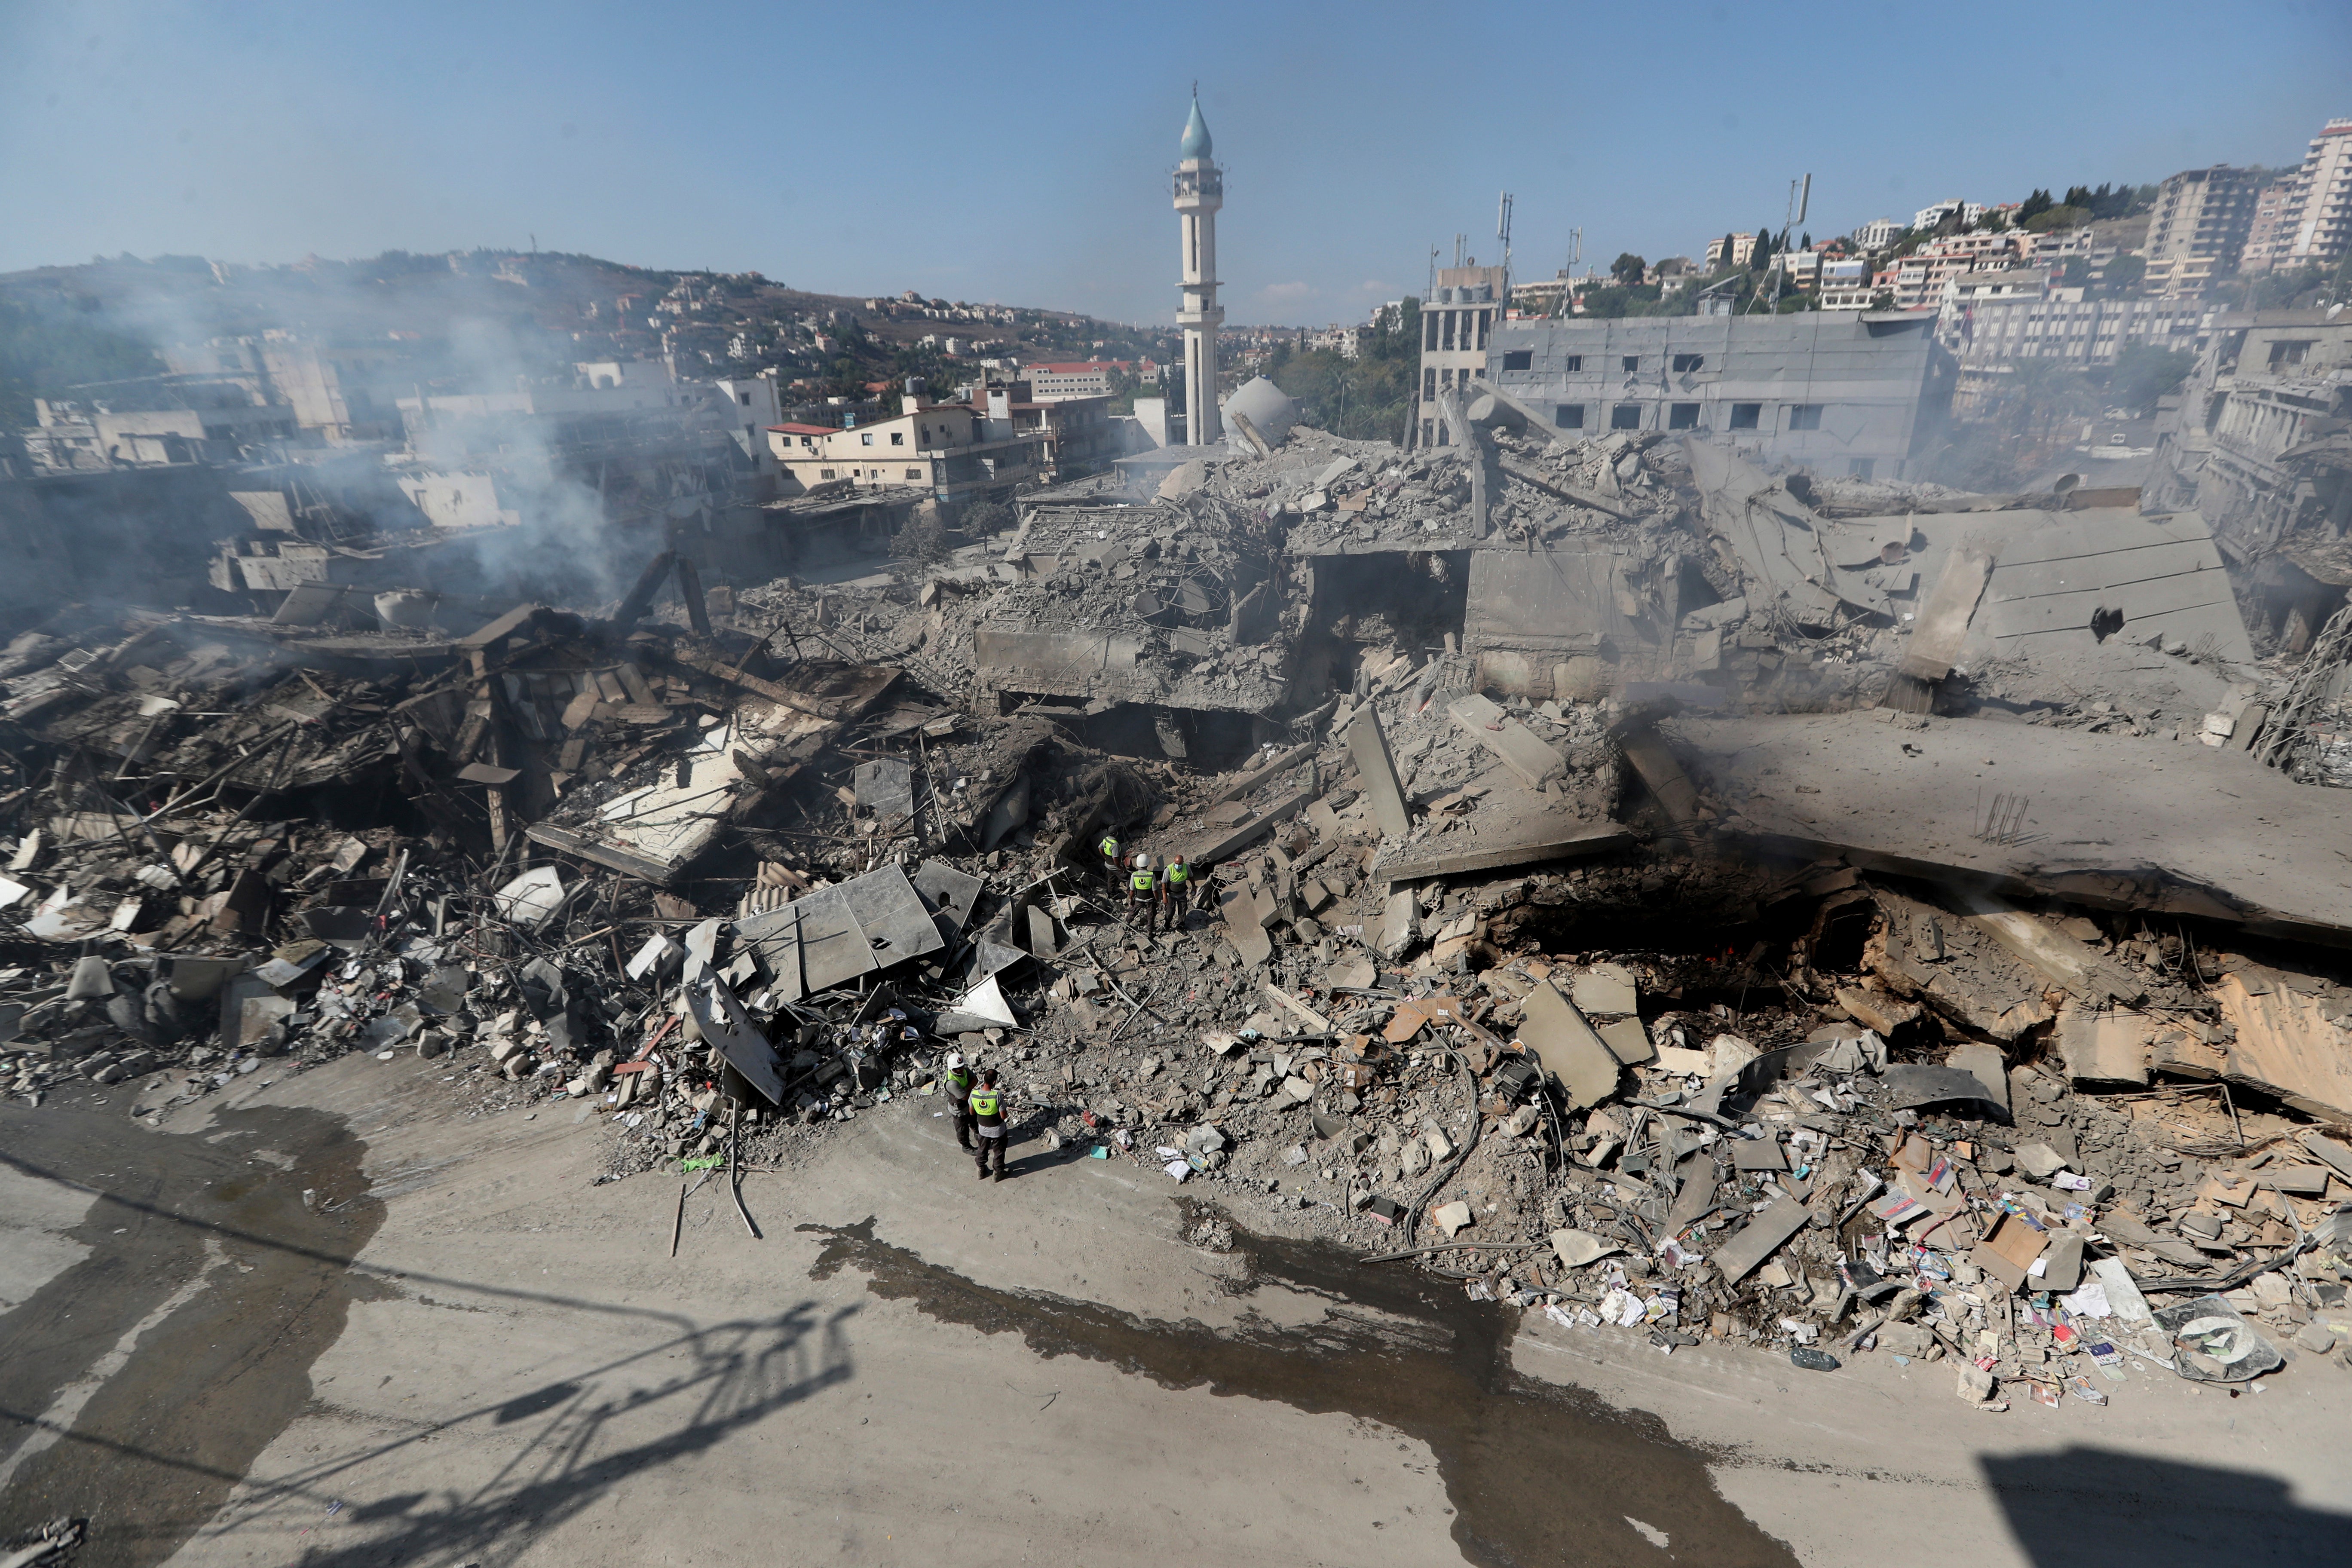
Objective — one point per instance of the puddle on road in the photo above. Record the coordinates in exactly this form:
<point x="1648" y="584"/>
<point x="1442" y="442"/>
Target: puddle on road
<point x="153" y="1453"/>
<point x="1536" y="1473"/>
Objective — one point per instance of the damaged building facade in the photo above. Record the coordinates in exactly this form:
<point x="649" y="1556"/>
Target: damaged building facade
<point x="1854" y="392"/>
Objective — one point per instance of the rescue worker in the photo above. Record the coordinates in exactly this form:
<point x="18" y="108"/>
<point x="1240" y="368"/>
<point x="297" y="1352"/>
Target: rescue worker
<point x="1143" y="888"/>
<point x="1113" y="862"/>
<point x="956" y="1084"/>
<point x="1175" y="891"/>
<point x="988" y="1120"/>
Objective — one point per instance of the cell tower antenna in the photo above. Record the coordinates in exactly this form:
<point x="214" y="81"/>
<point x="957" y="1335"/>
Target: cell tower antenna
<point x="1801" y="200"/>
<point x="1503" y="234"/>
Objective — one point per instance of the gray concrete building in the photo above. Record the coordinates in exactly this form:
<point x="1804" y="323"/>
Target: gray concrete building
<point x="1840" y="392"/>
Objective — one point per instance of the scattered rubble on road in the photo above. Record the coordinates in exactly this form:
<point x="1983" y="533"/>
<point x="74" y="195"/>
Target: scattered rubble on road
<point x="1665" y="896"/>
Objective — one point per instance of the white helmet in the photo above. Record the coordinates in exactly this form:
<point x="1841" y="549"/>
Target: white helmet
<point x="955" y="1059"/>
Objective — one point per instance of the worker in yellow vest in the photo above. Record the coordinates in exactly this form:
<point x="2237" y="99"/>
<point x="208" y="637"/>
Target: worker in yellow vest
<point x="1143" y="888"/>
<point x="988" y="1120"/>
<point x="956" y="1084"/>
<point x="1175" y="893"/>
<point x="1113" y="862"/>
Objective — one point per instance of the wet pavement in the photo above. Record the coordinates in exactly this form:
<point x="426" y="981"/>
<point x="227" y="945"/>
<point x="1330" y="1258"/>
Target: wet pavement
<point x="1536" y="1473"/>
<point x="209" y="1291"/>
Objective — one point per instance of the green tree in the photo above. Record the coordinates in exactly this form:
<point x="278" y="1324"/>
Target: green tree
<point x="2035" y="204"/>
<point x="1628" y="268"/>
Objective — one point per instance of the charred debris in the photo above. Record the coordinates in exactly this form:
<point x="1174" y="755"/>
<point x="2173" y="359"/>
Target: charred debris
<point x="1655" y="892"/>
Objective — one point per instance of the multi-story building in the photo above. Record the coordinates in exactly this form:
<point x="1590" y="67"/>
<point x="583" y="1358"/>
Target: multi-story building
<point x="953" y="450"/>
<point x="1457" y="321"/>
<point x="2198" y="228"/>
<point x="1855" y="393"/>
<point x="1929" y="217"/>
<point x="1347" y="342"/>
<point x="1878" y="234"/>
<point x="1920" y="276"/>
<point x="1996" y="328"/>
<point x="2322" y="224"/>
<point x="1731" y="250"/>
<point x="2272" y="228"/>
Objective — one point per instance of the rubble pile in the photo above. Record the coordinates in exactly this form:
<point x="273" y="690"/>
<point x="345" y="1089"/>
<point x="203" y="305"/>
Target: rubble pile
<point x="1655" y="893"/>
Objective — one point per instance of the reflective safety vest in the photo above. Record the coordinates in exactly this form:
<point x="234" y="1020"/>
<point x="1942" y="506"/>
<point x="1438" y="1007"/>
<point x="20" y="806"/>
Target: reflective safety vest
<point x="988" y="1104"/>
<point x="1109" y="847"/>
<point x="959" y="1085"/>
<point x="1141" y="880"/>
<point x="1179" y="873"/>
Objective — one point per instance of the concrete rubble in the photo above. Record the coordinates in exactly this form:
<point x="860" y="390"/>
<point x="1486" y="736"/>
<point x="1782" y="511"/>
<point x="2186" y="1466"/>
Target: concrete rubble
<point x="1658" y="894"/>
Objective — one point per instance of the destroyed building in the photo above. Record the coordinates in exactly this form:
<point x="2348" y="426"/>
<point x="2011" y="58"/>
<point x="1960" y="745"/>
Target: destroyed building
<point x="1649" y="882"/>
<point x="1838" y="392"/>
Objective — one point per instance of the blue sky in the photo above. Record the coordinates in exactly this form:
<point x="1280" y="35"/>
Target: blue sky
<point x="1020" y="153"/>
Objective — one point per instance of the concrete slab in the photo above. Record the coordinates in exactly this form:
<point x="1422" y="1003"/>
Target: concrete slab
<point x="2108" y="821"/>
<point x="1370" y="747"/>
<point x="1529" y="760"/>
<point x="1551" y="1027"/>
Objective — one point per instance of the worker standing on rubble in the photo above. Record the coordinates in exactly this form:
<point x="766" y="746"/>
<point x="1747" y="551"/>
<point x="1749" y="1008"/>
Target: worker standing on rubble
<point x="956" y="1084"/>
<point x="1175" y="893"/>
<point x="988" y="1121"/>
<point x="1142" y="885"/>
<point x="1113" y="862"/>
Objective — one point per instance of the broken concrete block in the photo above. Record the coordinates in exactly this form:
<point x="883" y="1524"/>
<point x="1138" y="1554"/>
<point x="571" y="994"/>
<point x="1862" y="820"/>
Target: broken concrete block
<point x="2317" y="1338"/>
<point x="1451" y="1218"/>
<point x="1433" y="1138"/>
<point x="1530" y="761"/>
<point x="1522" y="1121"/>
<point x="1299" y="1090"/>
<point x="1988" y="1066"/>
<point x="2039" y="1161"/>
<point x="1576" y="1248"/>
<point x="1976" y="1385"/>
<point x="1400" y="925"/>
<point x="1726" y="1054"/>
<point x="1369" y="746"/>
<point x="1628" y="1041"/>
<point x="1607" y="989"/>
<point x="1567" y="1045"/>
<point x="1763" y="1236"/>
<point x="2104" y="1046"/>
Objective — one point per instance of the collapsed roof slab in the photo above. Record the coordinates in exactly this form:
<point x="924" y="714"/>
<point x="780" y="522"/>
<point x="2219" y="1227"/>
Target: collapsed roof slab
<point x="2098" y="820"/>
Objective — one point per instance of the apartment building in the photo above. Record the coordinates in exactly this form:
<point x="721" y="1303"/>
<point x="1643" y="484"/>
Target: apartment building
<point x="951" y="449"/>
<point x="1731" y="250"/>
<point x="2198" y="228"/>
<point x="2315" y="220"/>
<point x="1878" y="234"/>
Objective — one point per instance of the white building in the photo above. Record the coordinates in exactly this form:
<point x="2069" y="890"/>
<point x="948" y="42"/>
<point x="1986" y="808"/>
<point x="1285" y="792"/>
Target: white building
<point x="1878" y="234"/>
<point x="1929" y="217"/>
<point x="1200" y="191"/>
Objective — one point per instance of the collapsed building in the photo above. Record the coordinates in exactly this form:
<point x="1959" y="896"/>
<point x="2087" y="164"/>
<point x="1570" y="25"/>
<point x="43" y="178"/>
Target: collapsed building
<point x="1656" y="890"/>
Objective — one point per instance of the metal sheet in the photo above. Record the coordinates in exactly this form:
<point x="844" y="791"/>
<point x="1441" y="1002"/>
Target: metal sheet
<point x="1910" y="1083"/>
<point x="953" y="895"/>
<point x="896" y="923"/>
<point x="724" y="1023"/>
